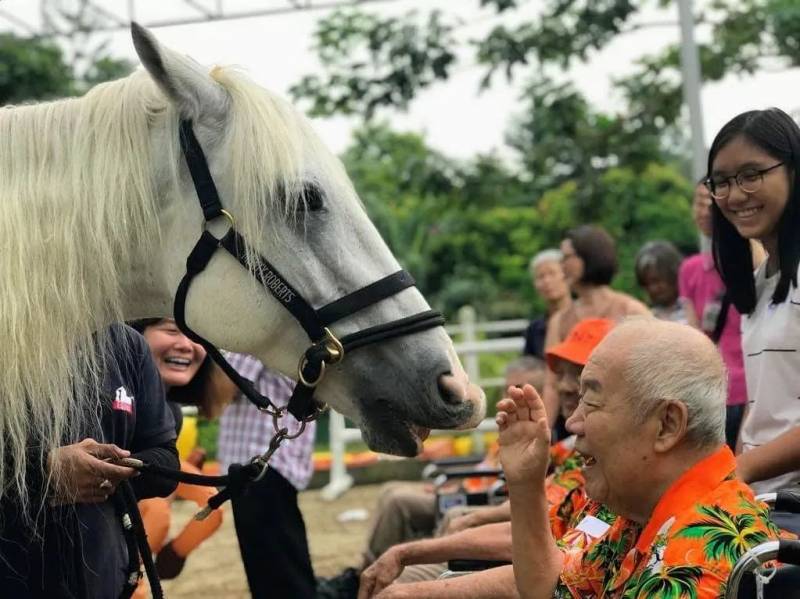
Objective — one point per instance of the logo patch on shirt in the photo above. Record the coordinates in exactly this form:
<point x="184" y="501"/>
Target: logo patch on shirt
<point x="123" y="401"/>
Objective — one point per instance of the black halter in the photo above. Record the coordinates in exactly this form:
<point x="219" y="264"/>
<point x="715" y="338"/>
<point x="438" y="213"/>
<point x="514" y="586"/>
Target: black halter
<point x="326" y="348"/>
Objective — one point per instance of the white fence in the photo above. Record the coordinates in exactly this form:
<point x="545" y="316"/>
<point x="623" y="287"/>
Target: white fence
<point x="469" y="347"/>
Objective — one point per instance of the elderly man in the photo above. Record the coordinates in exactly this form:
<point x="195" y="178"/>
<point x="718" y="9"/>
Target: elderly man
<point x="651" y="428"/>
<point x="417" y="560"/>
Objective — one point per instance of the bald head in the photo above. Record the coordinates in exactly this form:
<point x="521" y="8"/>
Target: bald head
<point x="660" y="360"/>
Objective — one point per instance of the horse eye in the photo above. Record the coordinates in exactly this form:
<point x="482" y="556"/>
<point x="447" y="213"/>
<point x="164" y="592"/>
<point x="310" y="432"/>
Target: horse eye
<point x="311" y="200"/>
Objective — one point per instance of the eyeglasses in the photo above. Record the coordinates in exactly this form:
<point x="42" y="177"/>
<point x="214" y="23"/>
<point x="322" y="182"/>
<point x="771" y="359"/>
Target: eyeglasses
<point x="749" y="180"/>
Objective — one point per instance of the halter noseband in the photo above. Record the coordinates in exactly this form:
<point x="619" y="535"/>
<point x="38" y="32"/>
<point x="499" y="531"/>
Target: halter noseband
<point x="326" y="348"/>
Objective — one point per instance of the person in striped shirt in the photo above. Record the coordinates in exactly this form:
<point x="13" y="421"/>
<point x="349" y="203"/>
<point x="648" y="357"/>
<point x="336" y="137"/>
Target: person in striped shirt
<point x="269" y="524"/>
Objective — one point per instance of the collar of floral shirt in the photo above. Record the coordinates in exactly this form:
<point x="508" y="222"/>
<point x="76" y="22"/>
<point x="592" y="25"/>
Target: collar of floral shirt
<point x="693" y="485"/>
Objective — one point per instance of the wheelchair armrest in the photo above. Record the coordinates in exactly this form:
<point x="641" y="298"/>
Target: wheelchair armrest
<point x="789" y="552"/>
<point x="437" y="467"/>
<point x="466" y="473"/>
<point x="785" y="500"/>
<point x="788" y="501"/>
<point x="473" y="565"/>
<point x="741" y="582"/>
<point x="459" y="461"/>
<point x="499" y="488"/>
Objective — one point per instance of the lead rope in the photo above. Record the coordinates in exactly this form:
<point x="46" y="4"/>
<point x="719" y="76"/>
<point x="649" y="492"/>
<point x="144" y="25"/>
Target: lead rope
<point x="237" y="479"/>
<point x="135" y="535"/>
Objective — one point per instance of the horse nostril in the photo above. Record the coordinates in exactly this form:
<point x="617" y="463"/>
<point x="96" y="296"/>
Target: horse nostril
<point x="451" y="390"/>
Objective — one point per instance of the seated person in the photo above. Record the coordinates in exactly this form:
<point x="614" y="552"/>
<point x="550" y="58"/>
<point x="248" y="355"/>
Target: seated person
<point x="416" y="566"/>
<point x="651" y="429"/>
<point x="407" y="510"/>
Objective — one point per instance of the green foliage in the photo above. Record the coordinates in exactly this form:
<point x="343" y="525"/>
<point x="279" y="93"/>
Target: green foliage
<point x="407" y="55"/>
<point x="566" y="31"/>
<point x="207" y="435"/>
<point x="36" y="69"/>
<point x="32" y="69"/>
<point x="375" y="62"/>
<point x="105" y="68"/>
<point x="785" y="26"/>
<point x="467" y="231"/>
<point x="559" y="138"/>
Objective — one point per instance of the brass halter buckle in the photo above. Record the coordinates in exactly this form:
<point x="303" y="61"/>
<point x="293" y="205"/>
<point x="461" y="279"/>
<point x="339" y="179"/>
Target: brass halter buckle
<point x="335" y="351"/>
<point x="227" y="216"/>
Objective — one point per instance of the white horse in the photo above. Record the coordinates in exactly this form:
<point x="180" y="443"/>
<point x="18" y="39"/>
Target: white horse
<point x="97" y="217"/>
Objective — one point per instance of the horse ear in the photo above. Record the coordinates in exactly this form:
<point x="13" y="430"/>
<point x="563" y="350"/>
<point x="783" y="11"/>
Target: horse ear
<point x="185" y="82"/>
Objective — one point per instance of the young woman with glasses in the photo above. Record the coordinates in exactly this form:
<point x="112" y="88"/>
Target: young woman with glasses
<point x="754" y="182"/>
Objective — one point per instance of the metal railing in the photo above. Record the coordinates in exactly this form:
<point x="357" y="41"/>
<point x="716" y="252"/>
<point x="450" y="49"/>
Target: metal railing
<point x="469" y="347"/>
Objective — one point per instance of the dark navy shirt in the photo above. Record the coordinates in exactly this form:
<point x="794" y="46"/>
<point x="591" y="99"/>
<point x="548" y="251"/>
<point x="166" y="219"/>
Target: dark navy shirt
<point x="534" y="338"/>
<point x="82" y="552"/>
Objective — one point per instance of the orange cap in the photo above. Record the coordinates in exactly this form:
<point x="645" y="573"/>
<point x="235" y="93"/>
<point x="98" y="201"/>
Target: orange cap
<point x="580" y="341"/>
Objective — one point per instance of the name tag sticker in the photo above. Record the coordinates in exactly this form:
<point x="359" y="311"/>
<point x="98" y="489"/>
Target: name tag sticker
<point x="594" y="527"/>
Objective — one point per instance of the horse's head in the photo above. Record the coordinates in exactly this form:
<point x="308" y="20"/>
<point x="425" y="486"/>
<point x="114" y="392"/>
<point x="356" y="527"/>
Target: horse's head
<point x="293" y="203"/>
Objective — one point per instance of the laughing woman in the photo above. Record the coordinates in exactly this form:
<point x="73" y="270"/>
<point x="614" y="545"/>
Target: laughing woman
<point x="754" y="180"/>
<point x="190" y="378"/>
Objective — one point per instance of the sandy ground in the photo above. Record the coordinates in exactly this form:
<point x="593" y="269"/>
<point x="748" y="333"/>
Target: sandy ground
<point x="214" y="570"/>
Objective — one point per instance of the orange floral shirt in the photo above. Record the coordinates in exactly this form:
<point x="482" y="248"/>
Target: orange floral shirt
<point x="564" y="489"/>
<point x="704" y="522"/>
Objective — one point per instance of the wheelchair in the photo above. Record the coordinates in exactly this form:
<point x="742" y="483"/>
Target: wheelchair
<point x="448" y="477"/>
<point x="750" y="578"/>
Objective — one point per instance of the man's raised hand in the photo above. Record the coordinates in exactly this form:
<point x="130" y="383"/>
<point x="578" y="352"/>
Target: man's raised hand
<point x="524" y="435"/>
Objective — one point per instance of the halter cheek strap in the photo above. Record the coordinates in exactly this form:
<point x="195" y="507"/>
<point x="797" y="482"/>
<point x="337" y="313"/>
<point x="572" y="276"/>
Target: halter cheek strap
<point x="326" y="348"/>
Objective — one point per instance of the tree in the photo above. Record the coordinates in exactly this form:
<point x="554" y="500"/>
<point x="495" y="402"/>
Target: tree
<point x="559" y="137"/>
<point x="373" y="62"/>
<point x="467" y="230"/>
<point x="634" y="207"/>
<point x="32" y="69"/>
<point x="35" y="69"/>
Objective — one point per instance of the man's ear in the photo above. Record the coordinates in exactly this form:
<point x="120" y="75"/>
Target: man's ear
<point x="185" y="82"/>
<point x="673" y="420"/>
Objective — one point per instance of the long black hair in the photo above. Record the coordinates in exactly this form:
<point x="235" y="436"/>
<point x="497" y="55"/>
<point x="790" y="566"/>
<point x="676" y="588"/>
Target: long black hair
<point x="196" y="391"/>
<point x="773" y="131"/>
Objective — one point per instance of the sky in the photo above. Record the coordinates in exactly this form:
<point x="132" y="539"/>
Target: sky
<point x="454" y="116"/>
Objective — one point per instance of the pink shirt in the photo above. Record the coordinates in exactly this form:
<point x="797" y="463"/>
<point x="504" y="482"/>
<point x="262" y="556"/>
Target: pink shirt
<point x="700" y="283"/>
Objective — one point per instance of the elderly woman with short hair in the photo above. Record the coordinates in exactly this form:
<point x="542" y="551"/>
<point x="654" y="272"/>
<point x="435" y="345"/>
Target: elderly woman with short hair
<point x="548" y="279"/>
<point x="656" y="265"/>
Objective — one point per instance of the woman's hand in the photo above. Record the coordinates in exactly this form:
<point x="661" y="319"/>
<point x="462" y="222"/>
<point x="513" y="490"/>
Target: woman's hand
<point x="83" y="472"/>
<point x="524" y="436"/>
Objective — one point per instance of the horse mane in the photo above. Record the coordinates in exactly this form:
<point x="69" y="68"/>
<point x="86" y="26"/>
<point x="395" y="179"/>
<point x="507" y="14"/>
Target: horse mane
<point x="271" y="146"/>
<point x="79" y="206"/>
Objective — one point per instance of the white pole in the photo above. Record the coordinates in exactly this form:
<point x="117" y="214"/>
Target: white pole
<point x="340" y="481"/>
<point x="690" y="65"/>
<point x="468" y="318"/>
